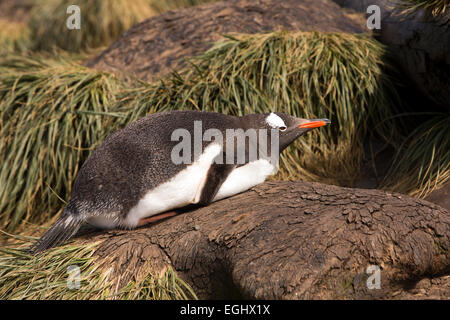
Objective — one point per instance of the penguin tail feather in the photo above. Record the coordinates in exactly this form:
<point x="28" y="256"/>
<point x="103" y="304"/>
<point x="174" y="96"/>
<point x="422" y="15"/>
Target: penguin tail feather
<point x="63" y="229"/>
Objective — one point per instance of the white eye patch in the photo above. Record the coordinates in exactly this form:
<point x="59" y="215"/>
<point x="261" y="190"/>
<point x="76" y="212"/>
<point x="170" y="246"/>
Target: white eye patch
<point x="275" y="121"/>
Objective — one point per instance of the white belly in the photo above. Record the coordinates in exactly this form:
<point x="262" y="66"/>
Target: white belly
<point x="183" y="189"/>
<point x="245" y="177"/>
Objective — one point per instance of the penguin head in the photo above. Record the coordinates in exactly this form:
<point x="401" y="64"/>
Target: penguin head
<point x="289" y="127"/>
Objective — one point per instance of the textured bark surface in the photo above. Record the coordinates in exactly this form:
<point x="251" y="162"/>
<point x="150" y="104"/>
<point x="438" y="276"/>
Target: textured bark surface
<point x="294" y="240"/>
<point x="15" y="10"/>
<point x="160" y="44"/>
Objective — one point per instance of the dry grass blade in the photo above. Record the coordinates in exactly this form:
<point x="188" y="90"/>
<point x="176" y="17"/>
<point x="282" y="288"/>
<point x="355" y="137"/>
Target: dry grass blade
<point x="47" y="276"/>
<point x="54" y="112"/>
<point x="422" y="163"/>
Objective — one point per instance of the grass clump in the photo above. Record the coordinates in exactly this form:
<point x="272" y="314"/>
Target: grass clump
<point x="14" y="37"/>
<point x="167" y="287"/>
<point x="422" y="163"/>
<point x="52" y="113"/>
<point x="306" y="74"/>
<point x="163" y="6"/>
<point x="48" y="276"/>
<point x="101" y="22"/>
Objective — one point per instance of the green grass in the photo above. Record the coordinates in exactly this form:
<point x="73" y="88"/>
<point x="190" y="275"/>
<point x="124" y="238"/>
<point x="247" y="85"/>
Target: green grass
<point x="310" y="75"/>
<point x="436" y="7"/>
<point x="102" y="22"/>
<point x="14" y="37"/>
<point x="422" y="163"/>
<point x="46" y="276"/>
<point x="54" y="112"/>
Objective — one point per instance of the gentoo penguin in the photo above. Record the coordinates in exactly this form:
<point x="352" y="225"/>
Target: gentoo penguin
<point x="142" y="171"/>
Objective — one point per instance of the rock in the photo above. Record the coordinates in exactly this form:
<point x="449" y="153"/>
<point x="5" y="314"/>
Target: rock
<point x="441" y="197"/>
<point x="421" y="47"/>
<point x="160" y="44"/>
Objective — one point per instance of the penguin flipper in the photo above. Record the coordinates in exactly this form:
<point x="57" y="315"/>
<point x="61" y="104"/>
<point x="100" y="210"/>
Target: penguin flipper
<point x="216" y="176"/>
<point x="64" y="228"/>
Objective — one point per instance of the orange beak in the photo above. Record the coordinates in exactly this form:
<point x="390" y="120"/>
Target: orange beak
<point x="314" y="123"/>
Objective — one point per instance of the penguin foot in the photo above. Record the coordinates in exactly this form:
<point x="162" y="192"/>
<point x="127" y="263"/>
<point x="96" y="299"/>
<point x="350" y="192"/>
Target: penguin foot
<point x="157" y="217"/>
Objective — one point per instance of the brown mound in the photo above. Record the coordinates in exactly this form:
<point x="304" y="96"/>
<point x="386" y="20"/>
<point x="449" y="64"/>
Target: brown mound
<point x="421" y="47"/>
<point x="159" y="44"/>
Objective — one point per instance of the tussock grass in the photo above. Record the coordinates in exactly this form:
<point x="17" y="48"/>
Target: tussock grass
<point x="101" y="22"/>
<point x="436" y="7"/>
<point x="422" y="163"/>
<point x="306" y="74"/>
<point x="46" y="276"/>
<point x="52" y="113"/>
<point x="163" y="6"/>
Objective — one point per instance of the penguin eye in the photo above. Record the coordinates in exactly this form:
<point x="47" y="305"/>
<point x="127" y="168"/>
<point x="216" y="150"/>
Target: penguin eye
<point x="283" y="128"/>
